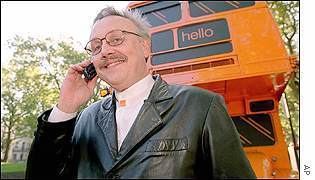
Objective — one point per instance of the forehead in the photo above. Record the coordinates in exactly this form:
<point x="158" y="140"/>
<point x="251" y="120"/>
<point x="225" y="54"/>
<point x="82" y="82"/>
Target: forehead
<point x="109" y="23"/>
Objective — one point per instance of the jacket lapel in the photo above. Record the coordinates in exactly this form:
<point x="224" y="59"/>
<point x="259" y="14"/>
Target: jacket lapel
<point x="107" y="123"/>
<point x="148" y="120"/>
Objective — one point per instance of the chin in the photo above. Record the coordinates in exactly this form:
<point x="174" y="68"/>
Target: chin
<point x="114" y="80"/>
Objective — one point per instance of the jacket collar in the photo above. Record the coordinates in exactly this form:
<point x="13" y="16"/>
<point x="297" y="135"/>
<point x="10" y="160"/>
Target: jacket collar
<point x="159" y="93"/>
<point x="147" y="122"/>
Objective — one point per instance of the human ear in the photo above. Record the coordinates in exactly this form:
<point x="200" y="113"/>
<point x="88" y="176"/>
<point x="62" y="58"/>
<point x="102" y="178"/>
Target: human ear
<point x="146" y="45"/>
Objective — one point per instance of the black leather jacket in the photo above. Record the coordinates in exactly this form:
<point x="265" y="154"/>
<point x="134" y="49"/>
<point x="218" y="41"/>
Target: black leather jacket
<point x="180" y="132"/>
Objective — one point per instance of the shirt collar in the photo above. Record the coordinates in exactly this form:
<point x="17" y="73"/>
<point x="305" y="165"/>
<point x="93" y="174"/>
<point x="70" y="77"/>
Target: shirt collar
<point x="138" y="91"/>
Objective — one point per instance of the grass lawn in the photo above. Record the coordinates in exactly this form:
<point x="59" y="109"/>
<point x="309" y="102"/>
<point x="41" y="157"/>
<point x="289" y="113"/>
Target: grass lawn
<point x="13" y="167"/>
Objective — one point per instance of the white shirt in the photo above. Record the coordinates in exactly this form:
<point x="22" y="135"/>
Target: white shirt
<point x="134" y="98"/>
<point x="129" y="103"/>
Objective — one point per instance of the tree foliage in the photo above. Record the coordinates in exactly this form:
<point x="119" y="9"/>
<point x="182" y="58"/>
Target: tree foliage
<point x="31" y="83"/>
<point x="286" y="14"/>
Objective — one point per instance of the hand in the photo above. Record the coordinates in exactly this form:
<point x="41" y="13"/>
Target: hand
<point x="75" y="90"/>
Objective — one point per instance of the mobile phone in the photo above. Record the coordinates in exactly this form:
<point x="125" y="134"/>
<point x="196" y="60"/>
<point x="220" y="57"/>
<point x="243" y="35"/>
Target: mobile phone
<point x="89" y="72"/>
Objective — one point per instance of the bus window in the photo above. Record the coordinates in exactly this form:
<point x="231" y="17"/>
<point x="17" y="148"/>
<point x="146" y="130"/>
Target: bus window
<point x="163" y="12"/>
<point x="197" y="34"/>
<point x="162" y="41"/>
<point x="201" y="8"/>
<point x="203" y="33"/>
<point x="192" y="53"/>
<point x="255" y="130"/>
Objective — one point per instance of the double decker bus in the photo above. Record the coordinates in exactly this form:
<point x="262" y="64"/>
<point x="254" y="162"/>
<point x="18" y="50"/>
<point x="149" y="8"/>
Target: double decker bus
<point x="233" y="48"/>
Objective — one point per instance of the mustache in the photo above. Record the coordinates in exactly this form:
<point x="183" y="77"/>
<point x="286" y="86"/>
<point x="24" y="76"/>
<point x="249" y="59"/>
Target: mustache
<point x="112" y="58"/>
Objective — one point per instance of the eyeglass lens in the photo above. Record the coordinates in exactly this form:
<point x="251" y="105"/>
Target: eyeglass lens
<point x="113" y="38"/>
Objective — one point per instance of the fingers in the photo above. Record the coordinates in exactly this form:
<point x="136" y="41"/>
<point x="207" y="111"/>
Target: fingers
<point x="80" y="66"/>
<point x="85" y="63"/>
<point x="77" y="68"/>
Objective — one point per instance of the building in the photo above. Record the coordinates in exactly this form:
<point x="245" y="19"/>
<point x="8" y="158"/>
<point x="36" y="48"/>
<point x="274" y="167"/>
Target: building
<point x="19" y="149"/>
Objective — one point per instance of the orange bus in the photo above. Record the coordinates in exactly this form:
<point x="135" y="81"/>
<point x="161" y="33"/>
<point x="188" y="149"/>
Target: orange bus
<point x="233" y="48"/>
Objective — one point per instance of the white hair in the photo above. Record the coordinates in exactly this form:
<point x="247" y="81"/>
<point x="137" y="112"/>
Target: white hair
<point x="134" y="15"/>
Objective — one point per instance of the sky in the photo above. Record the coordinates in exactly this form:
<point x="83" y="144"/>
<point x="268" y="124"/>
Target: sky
<point x="57" y="20"/>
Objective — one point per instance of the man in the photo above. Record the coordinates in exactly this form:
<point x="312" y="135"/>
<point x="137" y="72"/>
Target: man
<point x="146" y="129"/>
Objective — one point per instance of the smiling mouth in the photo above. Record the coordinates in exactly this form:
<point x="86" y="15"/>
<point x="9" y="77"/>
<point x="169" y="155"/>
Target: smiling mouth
<point x="114" y="63"/>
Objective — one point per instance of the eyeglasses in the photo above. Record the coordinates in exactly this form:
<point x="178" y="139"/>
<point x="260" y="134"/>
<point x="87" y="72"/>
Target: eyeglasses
<point x="112" y="38"/>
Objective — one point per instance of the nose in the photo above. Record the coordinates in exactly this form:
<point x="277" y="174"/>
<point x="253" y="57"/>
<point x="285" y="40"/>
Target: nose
<point x="107" y="50"/>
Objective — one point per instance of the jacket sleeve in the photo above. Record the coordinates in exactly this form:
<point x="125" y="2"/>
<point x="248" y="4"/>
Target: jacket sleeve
<point x="221" y="144"/>
<point x="52" y="154"/>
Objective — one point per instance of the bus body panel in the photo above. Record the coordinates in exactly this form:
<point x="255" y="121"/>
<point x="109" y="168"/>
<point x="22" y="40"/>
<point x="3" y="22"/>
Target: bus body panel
<point x="233" y="48"/>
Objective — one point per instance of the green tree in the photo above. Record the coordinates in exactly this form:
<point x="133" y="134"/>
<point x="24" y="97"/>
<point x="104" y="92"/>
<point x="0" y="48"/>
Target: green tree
<point x="286" y="14"/>
<point x="31" y="83"/>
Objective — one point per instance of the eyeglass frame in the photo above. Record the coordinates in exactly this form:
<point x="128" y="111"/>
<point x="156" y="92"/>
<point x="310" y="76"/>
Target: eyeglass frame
<point x="101" y="40"/>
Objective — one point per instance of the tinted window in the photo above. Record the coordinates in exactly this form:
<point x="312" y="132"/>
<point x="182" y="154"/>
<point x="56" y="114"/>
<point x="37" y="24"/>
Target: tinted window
<point x="191" y="53"/>
<point x="255" y="130"/>
<point x="265" y="105"/>
<point x="162" y="41"/>
<point x="201" y="8"/>
<point x="203" y="33"/>
<point x="160" y="13"/>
